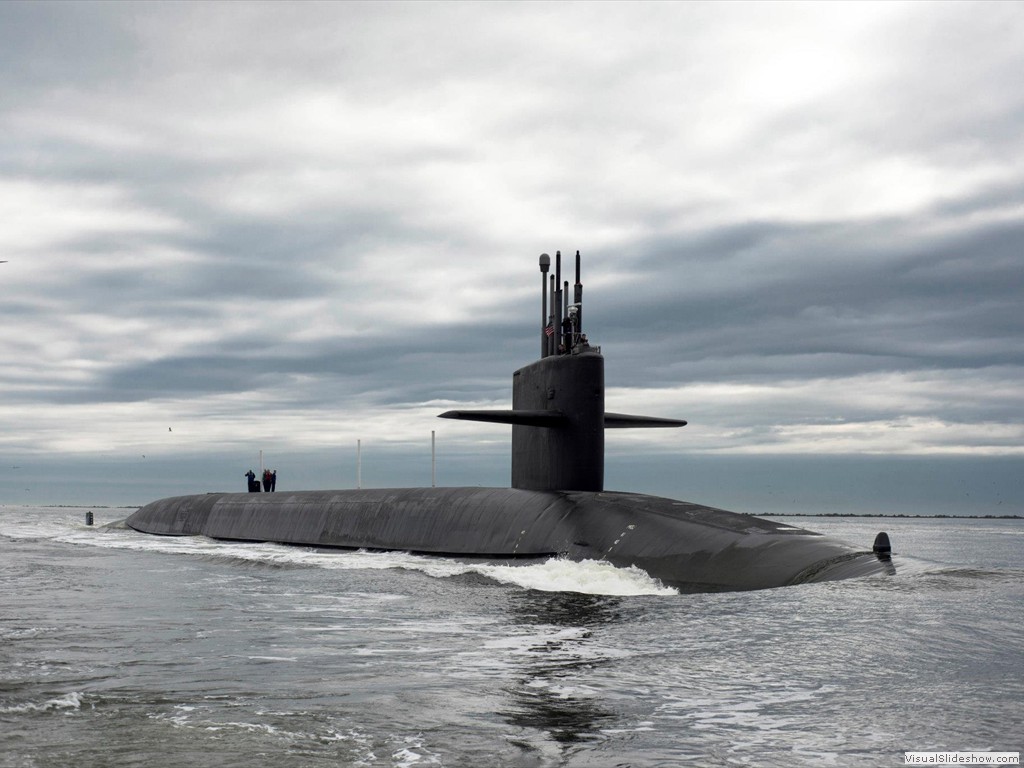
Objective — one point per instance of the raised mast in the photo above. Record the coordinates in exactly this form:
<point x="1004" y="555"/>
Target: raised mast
<point x="558" y="304"/>
<point x="545" y="264"/>
<point x="577" y="300"/>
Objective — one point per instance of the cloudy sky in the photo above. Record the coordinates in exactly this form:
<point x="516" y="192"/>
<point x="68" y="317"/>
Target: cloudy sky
<point x="287" y="227"/>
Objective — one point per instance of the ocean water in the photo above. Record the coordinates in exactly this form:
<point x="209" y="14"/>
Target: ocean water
<point x="121" y="649"/>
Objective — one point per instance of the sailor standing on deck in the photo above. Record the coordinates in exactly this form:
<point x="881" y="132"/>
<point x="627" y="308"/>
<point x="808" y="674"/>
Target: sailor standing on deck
<point x="251" y="477"/>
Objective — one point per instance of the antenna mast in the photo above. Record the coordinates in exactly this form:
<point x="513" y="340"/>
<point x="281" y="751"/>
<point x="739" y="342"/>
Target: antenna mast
<point x="545" y="264"/>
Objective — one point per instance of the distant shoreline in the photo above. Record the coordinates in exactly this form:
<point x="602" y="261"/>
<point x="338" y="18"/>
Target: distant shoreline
<point x="75" y="506"/>
<point x="876" y="514"/>
<point x="762" y="514"/>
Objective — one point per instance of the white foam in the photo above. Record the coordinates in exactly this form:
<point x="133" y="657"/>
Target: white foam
<point x="413" y="753"/>
<point x="545" y="638"/>
<point x="555" y="645"/>
<point x="271" y="658"/>
<point x="591" y="577"/>
<point x="646" y="725"/>
<point x="247" y="727"/>
<point x="553" y="575"/>
<point x="71" y="700"/>
<point x="21" y="633"/>
<point x="560" y="690"/>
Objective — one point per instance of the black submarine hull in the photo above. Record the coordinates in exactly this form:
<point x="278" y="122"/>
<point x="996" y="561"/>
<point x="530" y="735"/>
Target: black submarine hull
<point x="687" y="546"/>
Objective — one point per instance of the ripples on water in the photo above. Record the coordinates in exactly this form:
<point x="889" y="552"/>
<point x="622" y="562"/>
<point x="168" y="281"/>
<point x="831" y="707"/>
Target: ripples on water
<point x="122" y="649"/>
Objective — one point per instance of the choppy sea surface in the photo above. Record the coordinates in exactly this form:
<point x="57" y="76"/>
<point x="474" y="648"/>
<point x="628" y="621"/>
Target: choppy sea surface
<point x="122" y="649"/>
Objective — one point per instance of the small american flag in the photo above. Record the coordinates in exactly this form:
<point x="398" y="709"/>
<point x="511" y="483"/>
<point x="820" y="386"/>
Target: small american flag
<point x="549" y="330"/>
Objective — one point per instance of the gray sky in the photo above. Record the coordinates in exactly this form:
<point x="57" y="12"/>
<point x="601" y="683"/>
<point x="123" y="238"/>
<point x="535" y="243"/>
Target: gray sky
<point x="234" y="227"/>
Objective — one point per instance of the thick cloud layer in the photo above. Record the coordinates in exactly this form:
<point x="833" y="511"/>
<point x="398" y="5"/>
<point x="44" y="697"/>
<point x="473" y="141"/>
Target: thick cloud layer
<point x="290" y="226"/>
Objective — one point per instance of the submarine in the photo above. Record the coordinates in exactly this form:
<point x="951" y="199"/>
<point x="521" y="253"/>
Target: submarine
<point x="556" y="505"/>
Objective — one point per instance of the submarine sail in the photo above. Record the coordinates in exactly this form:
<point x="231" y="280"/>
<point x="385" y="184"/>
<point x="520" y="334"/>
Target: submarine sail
<point x="556" y="504"/>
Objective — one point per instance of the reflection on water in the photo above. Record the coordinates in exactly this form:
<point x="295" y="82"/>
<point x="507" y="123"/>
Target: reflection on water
<point x="565" y="609"/>
<point x="549" y="695"/>
<point x="567" y="719"/>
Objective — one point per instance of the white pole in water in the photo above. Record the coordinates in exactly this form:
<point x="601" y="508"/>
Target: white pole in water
<point x="433" y="461"/>
<point x="359" y="463"/>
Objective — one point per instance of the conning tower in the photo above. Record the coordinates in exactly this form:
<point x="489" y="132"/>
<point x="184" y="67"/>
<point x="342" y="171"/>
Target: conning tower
<point x="558" y="417"/>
